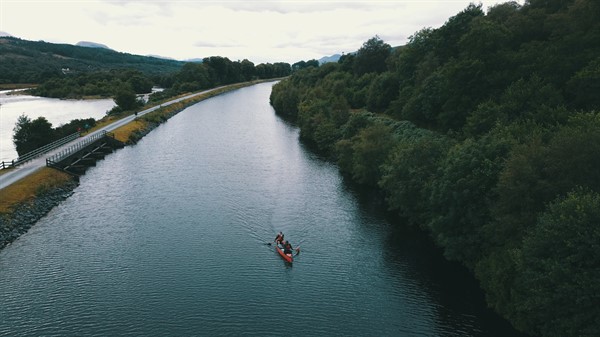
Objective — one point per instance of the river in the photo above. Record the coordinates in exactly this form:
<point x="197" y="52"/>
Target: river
<point x="56" y="111"/>
<point x="169" y="238"/>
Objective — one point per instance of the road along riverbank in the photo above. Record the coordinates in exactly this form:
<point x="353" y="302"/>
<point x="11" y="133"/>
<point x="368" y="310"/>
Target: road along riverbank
<point x="26" y="201"/>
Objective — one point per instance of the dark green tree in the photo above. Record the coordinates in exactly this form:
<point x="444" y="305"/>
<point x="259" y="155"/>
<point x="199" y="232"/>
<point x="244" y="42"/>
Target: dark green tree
<point x="371" y="57"/>
<point x="557" y="291"/>
<point x="371" y="148"/>
<point x="247" y="70"/>
<point x="409" y="175"/>
<point x="463" y="193"/>
<point x="125" y="98"/>
<point x="31" y="134"/>
<point x="383" y="90"/>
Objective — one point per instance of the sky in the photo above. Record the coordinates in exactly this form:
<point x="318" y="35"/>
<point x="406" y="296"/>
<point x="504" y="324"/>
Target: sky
<point x="260" y="31"/>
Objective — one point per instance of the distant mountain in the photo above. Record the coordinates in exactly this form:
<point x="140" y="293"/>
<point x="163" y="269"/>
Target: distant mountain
<point x="160" y="57"/>
<point x="2" y="34"/>
<point x="195" y="60"/>
<point x="91" y="45"/>
<point x="327" y="59"/>
<point x="23" y="61"/>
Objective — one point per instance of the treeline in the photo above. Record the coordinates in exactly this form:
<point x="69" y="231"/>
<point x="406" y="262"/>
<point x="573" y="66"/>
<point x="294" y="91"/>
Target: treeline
<point x="215" y="71"/>
<point x="103" y="84"/>
<point x="212" y="72"/>
<point x="485" y="133"/>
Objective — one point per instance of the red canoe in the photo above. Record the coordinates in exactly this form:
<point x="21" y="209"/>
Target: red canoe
<point x="288" y="257"/>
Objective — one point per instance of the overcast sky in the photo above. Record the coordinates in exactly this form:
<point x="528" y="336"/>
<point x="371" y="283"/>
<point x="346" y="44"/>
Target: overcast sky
<point x="260" y="31"/>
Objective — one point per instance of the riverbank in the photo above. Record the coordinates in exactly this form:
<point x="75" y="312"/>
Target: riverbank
<point x="19" y="86"/>
<point x="22" y="204"/>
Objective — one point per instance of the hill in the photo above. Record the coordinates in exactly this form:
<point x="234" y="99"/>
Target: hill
<point x="23" y="61"/>
<point x="90" y="44"/>
<point x="327" y="59"/>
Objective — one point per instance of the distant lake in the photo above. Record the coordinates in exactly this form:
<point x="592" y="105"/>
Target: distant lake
<point x="56" y="111"/>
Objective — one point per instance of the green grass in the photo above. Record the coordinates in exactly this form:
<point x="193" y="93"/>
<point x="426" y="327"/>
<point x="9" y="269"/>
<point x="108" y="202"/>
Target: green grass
<point x="27" y="188"/>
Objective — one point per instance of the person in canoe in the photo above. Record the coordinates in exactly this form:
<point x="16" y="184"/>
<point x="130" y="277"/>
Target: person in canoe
<point x="279" y="238"/>
<point x="287" y="248"/>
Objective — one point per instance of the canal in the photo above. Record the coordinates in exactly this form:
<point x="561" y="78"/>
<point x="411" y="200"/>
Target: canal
<point x="170" y="238"/>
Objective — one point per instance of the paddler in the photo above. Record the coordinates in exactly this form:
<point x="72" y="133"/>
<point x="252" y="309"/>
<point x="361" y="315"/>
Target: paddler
<point x="287" y="248"/>
<point x="279" y="238"/>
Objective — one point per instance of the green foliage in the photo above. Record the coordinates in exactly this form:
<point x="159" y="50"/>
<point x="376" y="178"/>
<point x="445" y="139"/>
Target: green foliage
<point x="285" y="99"/>
<point x="531" y="99"/>
<point x="370" y="148"/>
<point x="484" y="132"/>
<point x="409" y="174"/>
<point x="462" y="194"/>
<point x="383" y="90"/>
<point x="126" y="99"/>
<point x="584" y="86"/>
<point x="75" y="125"/>
<point x="544" y="167"/>
<point x="557" y="289"/>
<point x="94" y="84"/>
<point x="31" y="134"/>
<point x="304" y="64"/>
<point x="318" y="123"/>
<point x="371" y="56"/>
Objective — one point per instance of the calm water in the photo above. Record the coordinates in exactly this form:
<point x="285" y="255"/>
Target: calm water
<point x="56" y="111"/>
<point x="168" y="237"/>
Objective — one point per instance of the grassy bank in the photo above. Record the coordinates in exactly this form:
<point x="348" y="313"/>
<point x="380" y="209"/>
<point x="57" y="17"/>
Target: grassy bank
<point x="26" y="189"/>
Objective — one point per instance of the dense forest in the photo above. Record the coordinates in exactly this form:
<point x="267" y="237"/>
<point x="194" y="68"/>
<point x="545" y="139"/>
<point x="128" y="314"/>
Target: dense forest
<point x="485" y="133"/>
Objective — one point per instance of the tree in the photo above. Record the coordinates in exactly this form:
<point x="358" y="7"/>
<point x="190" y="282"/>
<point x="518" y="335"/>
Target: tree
<point x="557" y="291"/>
<point x="140" y="84"/>
<point x="247" y="70"/>
<point x="125" y="98"/>
<point x="584" y="86"/>
<point x="462" y="195"/>
<point x="371" y="147"/>
<point x="29" y="135"/>
<point x="305" y="64"/>
<point x="383" y="90"/>
<point x="371" y="57"/>
<point x="409" y="174"/>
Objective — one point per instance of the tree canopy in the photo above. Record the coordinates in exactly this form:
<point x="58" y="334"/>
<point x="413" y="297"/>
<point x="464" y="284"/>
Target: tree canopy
<point x="485" y="133"/>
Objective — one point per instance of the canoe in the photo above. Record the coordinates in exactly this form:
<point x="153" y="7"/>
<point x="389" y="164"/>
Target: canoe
<point x="288" y="258"/>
